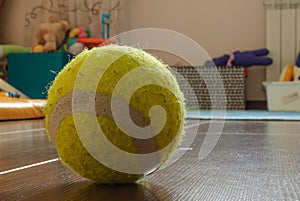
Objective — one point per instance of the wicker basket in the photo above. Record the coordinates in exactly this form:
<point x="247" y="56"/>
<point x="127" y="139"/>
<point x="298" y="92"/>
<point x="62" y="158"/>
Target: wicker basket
<point x="193" y="81"/>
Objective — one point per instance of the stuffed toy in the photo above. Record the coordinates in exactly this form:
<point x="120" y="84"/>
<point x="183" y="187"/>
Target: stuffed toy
<point x="79" y="32"/>
<point x="12" y="49"/>
<point x="50" y="36"/>
<point x="83" y="33"/>
<point x="245" y="58"/>
<point x="290" y="73"/>
<point x="72" y="45"/>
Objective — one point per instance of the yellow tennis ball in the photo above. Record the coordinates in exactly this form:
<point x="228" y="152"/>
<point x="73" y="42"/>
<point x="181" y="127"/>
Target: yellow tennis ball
<point x="115" y="113"/>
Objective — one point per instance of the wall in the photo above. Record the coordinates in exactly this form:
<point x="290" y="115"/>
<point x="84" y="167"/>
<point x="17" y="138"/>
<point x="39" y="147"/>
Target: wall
<point x="218" y="26"/>
<point x="12" y="20"/>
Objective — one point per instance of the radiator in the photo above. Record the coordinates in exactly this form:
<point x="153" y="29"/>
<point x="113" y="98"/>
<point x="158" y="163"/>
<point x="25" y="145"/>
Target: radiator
<point x="282" y="34"/>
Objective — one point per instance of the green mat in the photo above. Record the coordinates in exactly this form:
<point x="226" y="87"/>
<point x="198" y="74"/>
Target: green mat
<point x="243" y="115"/>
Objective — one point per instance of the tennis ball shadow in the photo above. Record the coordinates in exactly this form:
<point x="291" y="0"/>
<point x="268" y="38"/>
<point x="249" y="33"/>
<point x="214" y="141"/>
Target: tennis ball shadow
<point x="88" y="190"/>
<point x="125" y="192"/>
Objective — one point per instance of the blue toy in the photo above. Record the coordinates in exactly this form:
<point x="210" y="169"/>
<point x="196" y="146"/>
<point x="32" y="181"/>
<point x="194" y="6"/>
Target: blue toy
<point x="105" y="21"/>
<point x="245" y="59"/>
<point x="298" y="60"/>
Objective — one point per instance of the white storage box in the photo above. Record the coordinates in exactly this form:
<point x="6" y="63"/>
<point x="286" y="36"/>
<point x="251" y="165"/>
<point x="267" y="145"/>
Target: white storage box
<point x="283" y="96"/>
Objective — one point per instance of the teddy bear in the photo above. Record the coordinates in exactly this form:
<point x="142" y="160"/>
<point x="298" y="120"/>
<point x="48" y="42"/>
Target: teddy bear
<point x="50" y="35"/>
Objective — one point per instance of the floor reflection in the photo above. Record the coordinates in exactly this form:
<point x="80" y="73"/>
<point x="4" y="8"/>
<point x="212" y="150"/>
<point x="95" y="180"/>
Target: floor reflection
<point x="89" y="191"/>
<point x="123" y="192"/>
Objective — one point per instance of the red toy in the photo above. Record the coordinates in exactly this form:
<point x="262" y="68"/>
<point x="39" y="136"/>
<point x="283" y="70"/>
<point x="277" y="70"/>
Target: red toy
<point x="94" y="42"/>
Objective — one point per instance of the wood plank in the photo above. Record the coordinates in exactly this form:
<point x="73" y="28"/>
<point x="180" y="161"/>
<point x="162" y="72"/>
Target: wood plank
<point x="56" y="182"/>
<point x="253" y="160"/>
<point x="20" y="126"/>
<point x="22" y="149"/>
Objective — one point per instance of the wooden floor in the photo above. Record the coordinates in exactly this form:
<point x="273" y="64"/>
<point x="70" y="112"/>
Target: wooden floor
<point x="253" y="160"/>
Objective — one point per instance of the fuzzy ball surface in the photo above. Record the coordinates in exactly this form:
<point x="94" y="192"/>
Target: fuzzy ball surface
<point x="87" y="100"/>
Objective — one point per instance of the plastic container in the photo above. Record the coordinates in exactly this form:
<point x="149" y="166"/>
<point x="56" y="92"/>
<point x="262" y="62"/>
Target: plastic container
<point x="283" y="96"/>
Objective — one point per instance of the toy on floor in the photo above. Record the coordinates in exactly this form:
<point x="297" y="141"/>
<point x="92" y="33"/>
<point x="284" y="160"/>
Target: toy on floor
<point x="115" y="113"/>
<point x="4" y="86"/>
<point x="9" y="94"/>
<point x="245" y="58"/>
<point x="50" y="36"/>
